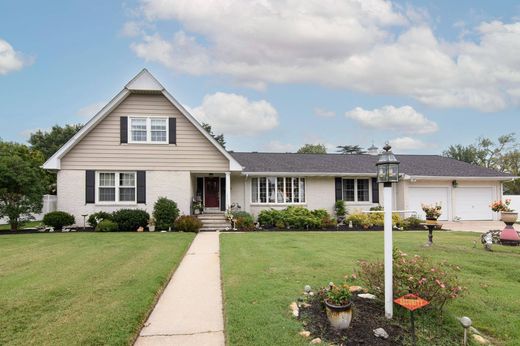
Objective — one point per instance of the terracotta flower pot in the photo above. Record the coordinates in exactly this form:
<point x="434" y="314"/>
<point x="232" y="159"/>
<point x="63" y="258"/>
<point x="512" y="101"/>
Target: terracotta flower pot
<point x="509" y="217"/>
<point x="339" y="316"/>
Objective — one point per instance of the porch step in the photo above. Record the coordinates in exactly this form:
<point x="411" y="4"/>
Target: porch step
<point x="213" y="222"/>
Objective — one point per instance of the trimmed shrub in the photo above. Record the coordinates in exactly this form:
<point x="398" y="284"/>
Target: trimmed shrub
<point x="130" y="219"/>
<point x="435" y="282"/>
<point x="271" y="218"/>
<point x="340" y="209"/>
<point x="296" y="218"/>
<point x="107" y="226"/>
<point x="165" y="212"/>
<point x="359" y="220"/>
<point x="412" y="222"/>
<point x="244" y="221"/>
<point x="58" y="219"/>
<point x="96" y="218"/>
<point x="187" y="223"/>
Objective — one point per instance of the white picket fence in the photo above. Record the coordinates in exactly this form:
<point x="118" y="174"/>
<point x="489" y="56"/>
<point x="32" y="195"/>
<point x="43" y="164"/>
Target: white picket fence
<point x="515" y="201"/>
<point x="49" y="204"/>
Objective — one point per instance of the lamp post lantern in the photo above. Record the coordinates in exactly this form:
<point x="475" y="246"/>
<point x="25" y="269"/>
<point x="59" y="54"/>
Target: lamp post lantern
<point x="388" y="173"/>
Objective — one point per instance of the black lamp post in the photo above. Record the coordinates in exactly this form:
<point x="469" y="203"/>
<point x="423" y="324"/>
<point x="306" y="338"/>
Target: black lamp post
<point x="388" y="173"/>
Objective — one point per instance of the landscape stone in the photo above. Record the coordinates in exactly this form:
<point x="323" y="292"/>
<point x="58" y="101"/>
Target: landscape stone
<point x="367" y="296"/>
<point x="480" y="339"/>
<point x="316" y="341"/>
<point x="294" y="309"/>
<point x="305" y="333"/>
<point x="355" y="289"/>
<point x="381" y="333"/>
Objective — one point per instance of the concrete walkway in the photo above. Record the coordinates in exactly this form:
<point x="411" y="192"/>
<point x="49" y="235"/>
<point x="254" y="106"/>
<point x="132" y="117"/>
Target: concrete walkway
<point x="189" y="312"/>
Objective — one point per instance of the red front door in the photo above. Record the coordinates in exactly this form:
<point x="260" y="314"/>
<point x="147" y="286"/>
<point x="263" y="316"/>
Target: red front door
<point x="211" y="192"/>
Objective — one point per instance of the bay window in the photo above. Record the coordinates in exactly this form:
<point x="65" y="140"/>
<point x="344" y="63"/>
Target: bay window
<point x="148" y="130"/>
<point x="116" y="187"/>
<point x="278" y="190"/>
<point x="356" y="190"/>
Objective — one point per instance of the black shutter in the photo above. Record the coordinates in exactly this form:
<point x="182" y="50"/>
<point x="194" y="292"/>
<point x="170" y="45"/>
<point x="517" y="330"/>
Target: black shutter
<point x="375" y="191"/>
<point x="223" y="194"/>
<point x="200" y="188"/>
<point x="338" y="182"/>
<point x="90" y="187"/>
<point x="141" y="187"/>
<point x="172" y="129"/>
<point x="123" y="129"/>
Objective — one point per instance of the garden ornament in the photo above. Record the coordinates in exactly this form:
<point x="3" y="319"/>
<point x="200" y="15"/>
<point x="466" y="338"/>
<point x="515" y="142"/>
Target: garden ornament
<point x="466" y="323"/>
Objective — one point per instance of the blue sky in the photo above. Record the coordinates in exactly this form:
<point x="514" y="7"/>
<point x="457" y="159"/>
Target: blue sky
<point x="275" y="75"/>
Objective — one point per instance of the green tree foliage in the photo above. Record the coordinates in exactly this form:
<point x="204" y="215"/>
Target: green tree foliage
<point x="350" y="149"/>
<point x="312" y="149"/>
<point x="48" y="142"/>
<point x="219" y="138"/>
<point x="462" y="153"/>
<point x="22" y="182"/>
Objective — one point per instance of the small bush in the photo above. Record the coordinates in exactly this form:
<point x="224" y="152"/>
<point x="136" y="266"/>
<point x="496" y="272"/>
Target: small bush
<point x="271" y="218"/>
<point x="130" y="219"/>
<point x="379" y="207"/>
<point x="412" y="222"/>
<point x="296" y="218"/>
<point x="58" y="219"/>
<point x="244" y="222"/>
<point x="340" y="209"/>
<point x="187" y="223"/>
<point x="165" y="212"/>
<point x="435" y="282"/>
<point x="359" y="220"/>
<point x="96" y="218"/>
<point x="107" y="226"/>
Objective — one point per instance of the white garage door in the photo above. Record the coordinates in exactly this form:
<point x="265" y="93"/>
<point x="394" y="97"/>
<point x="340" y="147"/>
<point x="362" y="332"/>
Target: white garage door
<point x="472" y="203"/>
<point x="428" y="195"/>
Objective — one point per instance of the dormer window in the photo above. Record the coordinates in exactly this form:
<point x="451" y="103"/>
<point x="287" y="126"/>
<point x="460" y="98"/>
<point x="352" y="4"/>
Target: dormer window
<point x="148" y="130"/>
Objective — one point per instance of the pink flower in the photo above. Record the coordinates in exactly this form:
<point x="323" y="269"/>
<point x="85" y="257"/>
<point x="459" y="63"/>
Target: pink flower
<point x="422" y="281"/>
<point x="440" y="283"/>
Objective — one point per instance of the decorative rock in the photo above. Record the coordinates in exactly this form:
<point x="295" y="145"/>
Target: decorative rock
<point x="316" y="341"/>
<point x="381" y="333"/>
<point x="355" y="289"/>
<point x="307" y="288"/>
<point x="367" y="296"/>
<point x="465" y="321"/>
<point x="311" y="294"/>
<point x="294" y="309"/>
<point x="480" y="340"/>
<point x="305" y="333"/>
<point x="305" y="305"/>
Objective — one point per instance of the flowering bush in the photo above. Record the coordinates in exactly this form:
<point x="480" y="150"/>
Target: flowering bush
<point x="432" y="211"/>
<point x="435" y="282"/>
<point x="338" y="295"/>
<point x="497" y="206"/>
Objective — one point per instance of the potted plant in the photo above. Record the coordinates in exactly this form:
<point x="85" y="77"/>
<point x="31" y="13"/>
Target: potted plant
<point x="338" y="306"/>
<point x="151" y="225"/>
<point x="341" y="211"/>
<point x="507" y="215"/>
<point x="197" y="207"/>
<point x="432" y="211"/>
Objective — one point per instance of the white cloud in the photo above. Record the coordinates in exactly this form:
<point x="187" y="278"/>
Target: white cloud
<point x="279" y="147"/>
<point x="27" y="133"/>
<point x="11" y="60"/>
<point x="323" y="113"/>
<point x="130" y="29"/>
<point x="400" y="119"/>
<point x="234" y="114"/>
<point x="348" y="44"/>
<point x="406" y="144"/>
<point x="90" y="110"/>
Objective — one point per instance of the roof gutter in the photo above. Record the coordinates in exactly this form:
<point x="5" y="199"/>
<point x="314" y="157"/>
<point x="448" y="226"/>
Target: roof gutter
<point x="308" y="174"/>
<point x="432" y="177"/>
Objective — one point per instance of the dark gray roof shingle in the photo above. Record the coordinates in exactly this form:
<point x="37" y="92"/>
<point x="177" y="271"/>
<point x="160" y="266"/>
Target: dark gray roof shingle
<point x="415" y="165"/>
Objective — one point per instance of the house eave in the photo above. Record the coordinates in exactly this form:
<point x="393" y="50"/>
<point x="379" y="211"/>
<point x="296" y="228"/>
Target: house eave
<point x="472" y="178"/>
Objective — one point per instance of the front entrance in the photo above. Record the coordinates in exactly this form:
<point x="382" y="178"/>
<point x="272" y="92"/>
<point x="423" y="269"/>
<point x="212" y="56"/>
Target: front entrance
<point x="211" y="192"/>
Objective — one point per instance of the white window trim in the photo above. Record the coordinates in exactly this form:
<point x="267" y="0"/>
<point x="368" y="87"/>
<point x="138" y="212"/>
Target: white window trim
<point x="276" y="190"/>
<point x="116" y="202"/>
<point x="355" y="201"/>
<point x="148" y="130"/>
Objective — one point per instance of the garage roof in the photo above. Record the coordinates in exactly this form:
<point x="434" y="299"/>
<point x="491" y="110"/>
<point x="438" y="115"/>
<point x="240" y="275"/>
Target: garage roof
<point x="364" y="164"/>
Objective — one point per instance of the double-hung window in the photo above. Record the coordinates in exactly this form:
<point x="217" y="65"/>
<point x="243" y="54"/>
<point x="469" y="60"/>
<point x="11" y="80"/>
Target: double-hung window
<point x="356" y="190"/>
<point x="116" y="187"/>
<point x="278" y="190"/>
<point x="148" y="130"/>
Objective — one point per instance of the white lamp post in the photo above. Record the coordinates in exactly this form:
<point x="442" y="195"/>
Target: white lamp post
<point x="388" y="173"/>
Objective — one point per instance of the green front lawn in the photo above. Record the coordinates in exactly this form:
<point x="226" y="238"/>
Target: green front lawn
<point x="264" y="272"/>
<point x="82" y="288"/>
<point x="30" y="224"/>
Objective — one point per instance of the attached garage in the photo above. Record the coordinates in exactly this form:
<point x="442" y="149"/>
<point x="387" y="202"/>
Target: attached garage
<point x="429" y="195"/>
<point x="472" y="203"/>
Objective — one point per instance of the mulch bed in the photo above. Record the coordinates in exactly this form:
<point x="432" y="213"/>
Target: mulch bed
<point x="367" y="315"/>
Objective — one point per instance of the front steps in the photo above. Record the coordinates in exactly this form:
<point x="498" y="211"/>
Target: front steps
<point x="213" y="222"/>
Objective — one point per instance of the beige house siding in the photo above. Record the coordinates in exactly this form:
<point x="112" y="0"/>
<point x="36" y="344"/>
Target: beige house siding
<point x="173" y="185"/>
<point x="238" y="190"/>
<point x="101" y="148"/>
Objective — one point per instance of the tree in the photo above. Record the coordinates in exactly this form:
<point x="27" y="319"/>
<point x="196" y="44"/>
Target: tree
<point x="22" y="183"/>
<point x="48" y="142"/>
<point x="312" y="149"/>
<point x="350" y="149"/>
<point x="511" y="164"/>
<point x="219" y="138"/>
<point x="459" y="152"/>
<point x="490" y="154"/>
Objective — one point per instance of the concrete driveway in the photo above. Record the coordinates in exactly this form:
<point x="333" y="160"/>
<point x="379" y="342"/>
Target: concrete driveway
<point x="474" y="226"/>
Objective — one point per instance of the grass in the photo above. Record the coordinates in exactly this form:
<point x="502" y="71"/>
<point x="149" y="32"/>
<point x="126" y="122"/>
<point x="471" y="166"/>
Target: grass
<point x="82" y="288"/>
<point x="264" y="272"/>
<point x="30" y="224"/>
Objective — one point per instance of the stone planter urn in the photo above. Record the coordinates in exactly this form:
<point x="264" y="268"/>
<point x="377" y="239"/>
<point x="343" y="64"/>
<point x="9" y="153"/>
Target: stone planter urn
<point x="431" y="220"/>
<point x="509" y="217"/>
<point x="509" y="236"/>
<point x="339" y="316"/>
